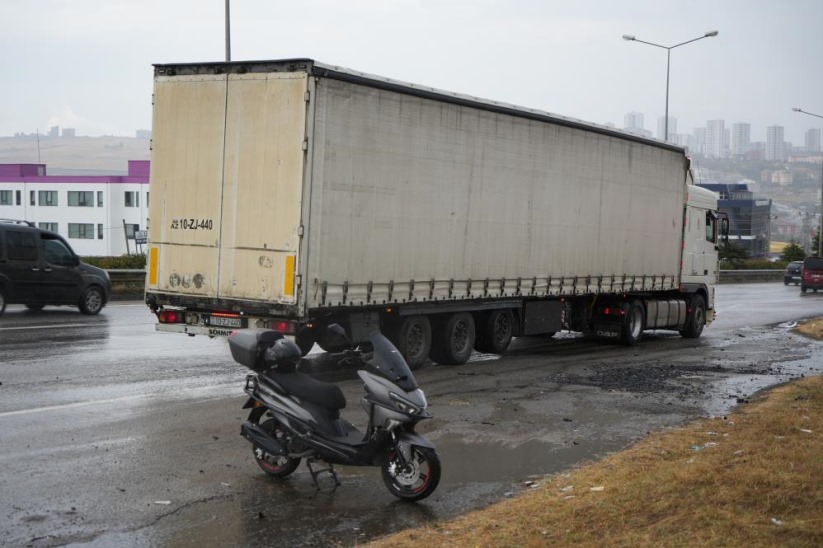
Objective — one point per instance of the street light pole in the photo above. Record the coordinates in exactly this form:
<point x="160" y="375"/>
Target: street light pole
<point x="632" y="38"/>
<point x="819" y="226"/>
<point x="228" y="33"/>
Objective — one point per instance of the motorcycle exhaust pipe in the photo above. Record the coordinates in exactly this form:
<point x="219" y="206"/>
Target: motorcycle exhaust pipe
<point x="262" y="439"/>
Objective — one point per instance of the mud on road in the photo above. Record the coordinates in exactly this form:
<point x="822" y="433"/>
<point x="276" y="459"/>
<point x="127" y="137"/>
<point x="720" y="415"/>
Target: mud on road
<point x="579" y="383"/>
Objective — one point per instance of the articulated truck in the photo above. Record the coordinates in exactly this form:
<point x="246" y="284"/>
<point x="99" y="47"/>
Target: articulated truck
<point x="293" y="195"/>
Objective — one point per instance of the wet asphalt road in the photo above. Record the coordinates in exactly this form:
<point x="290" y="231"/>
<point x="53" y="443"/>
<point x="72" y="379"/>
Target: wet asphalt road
<point x="112" y="434"/>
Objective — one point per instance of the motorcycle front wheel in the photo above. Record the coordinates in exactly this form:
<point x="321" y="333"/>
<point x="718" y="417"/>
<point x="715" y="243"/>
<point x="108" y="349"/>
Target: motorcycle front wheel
<point x="275" y="465"/>
<point x="415" y="479"/>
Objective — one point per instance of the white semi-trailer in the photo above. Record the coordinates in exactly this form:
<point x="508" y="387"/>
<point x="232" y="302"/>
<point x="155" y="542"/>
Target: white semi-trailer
<point x="292" y="195"/>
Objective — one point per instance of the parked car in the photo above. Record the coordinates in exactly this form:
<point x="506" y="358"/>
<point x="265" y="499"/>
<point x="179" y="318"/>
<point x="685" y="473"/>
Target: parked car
<point x="793" y="273"/>
<point x="39" y="268"/>
<point x="812" y="274"/>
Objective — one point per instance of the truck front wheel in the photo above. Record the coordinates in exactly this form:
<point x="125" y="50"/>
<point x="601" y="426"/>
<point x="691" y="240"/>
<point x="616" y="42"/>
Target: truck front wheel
<point x="633" y="323"/>
<point x="696" y="319"/>
<point x="412" y="336"/>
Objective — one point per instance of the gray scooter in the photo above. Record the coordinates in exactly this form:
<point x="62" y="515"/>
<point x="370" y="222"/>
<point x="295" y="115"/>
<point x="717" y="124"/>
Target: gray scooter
<point x="302" y="414"/>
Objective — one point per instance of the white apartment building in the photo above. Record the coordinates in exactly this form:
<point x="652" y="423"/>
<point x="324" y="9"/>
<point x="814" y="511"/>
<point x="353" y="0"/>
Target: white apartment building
<point x="715" y="139"/>
<point x="741" y="138"/>
<point x="813" y="140"/>
<point x="633" y="120"/>
<point x="775" y="147"/>
<point x="98" y="215"/>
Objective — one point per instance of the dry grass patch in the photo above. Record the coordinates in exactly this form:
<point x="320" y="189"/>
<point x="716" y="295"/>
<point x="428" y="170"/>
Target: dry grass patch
<point x="754" y="478"/>
<point x="811" y="328"/>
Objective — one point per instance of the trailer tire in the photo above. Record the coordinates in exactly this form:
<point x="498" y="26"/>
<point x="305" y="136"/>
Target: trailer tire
<point x="412" y="336"/>
<point x="696" y="320"/>
<point x="633" y="323"/>
<point x="494" y="332"/>
<point x="453" y="339"/>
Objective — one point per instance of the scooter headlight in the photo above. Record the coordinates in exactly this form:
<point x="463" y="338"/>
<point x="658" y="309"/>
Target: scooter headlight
<point x="404" y="405"/>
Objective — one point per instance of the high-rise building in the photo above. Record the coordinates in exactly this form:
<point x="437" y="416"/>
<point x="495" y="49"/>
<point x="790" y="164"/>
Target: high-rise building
<point x="715" y="139"/>
<point x="813" y="140"/>
<point x="741" y="138"/>
<point x="633" y="120"/>
<point x="699" y="140"/>
<point x="661" y="128"/>
<point x="775" y="147"/>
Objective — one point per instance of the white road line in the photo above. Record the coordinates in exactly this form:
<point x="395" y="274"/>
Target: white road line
<point x="44" y="326"/>
<point x="69" y="406"/>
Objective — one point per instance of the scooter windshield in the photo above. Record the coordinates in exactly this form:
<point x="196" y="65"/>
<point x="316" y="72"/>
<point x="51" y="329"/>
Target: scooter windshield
<point x="388" y="363"/>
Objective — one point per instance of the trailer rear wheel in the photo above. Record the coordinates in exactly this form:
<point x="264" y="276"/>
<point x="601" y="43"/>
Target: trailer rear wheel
<point x="696" y="319"/>
<point x="633" y="323"/>
<point x="412" y="336"/>
<point x="453" y="339"/>
<point x="494" y="334"/>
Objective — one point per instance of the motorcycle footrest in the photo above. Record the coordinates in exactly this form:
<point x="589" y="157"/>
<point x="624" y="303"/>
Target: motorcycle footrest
<point x="261" y="439"/>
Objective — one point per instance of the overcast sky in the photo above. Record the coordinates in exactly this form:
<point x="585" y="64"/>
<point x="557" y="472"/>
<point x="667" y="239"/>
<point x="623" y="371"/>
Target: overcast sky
<point x="87" y="64"/>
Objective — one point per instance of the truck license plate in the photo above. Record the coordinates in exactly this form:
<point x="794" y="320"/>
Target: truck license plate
<point x="220" y="321"/>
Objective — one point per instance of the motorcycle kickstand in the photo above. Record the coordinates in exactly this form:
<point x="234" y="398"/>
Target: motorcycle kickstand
<point x="315" y="473"/>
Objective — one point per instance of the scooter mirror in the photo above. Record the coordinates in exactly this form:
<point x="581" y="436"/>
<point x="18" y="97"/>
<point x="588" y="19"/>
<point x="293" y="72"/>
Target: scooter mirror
<point x="338" y="330"/>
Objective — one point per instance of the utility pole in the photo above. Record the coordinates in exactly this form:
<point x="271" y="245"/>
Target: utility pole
<point x="228" y="33"/>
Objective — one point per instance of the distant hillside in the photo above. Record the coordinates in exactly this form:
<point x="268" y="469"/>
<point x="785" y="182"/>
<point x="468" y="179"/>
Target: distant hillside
<point x="75" y="155"/>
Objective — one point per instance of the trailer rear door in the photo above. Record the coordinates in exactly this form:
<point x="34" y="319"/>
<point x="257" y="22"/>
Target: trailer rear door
<point x="226" y="185"/>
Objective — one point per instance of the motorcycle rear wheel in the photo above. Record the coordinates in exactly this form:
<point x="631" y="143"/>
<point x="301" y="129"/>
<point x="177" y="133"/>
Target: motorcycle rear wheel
<point x="414" y="480"/>
<point x="275" y="465"/>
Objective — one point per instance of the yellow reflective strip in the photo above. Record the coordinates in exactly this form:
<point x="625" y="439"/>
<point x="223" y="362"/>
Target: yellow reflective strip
<point x="288" y="276"/>
<point x="153" y="266"/>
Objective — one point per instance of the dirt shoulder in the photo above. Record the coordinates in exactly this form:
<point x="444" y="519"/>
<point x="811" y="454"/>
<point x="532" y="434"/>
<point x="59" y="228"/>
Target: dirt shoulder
<point x="751" y="477"/>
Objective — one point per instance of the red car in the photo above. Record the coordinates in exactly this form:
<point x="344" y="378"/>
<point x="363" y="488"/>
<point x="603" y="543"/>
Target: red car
<point x="812" y="274"/>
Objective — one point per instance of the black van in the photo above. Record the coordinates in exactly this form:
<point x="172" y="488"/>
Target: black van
<point x="39" y="268"/>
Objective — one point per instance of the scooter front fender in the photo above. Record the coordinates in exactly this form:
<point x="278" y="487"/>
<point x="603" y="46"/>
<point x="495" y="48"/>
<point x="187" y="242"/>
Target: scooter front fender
<point x="407" y="440"/>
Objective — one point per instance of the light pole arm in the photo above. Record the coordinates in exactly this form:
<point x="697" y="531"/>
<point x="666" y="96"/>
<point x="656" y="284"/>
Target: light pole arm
<point x="707" y="35"/>
<point x="633" y="39"/>
<point x="806" y="112"/>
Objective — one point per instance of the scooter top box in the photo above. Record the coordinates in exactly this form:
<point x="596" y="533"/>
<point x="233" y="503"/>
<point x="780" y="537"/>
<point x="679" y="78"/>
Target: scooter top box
<point x="248" y="346"/>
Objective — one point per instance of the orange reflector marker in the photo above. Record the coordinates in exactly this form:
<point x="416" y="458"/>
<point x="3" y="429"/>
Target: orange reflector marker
<point x="153" y="266"/>
<point x="288" y="276"/>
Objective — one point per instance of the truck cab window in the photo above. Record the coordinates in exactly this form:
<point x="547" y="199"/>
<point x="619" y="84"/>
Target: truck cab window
<point x="711" y="227"/>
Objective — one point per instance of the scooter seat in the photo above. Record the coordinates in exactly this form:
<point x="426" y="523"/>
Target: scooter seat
<point x="325" y="394"/>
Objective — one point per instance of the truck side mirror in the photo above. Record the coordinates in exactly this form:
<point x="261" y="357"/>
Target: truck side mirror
<point x="724" y="230"/>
